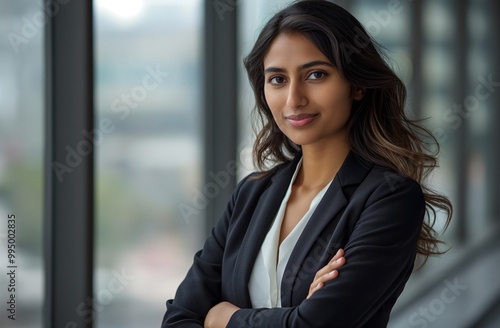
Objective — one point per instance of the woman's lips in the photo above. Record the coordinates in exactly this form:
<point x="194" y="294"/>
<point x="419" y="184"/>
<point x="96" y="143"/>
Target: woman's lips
<point x="300" y="119"/>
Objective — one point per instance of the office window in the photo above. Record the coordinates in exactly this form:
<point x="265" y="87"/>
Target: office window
<point x="439" y="85"/>
<point x="479" y="103"/>
<point x="387" y="23"/>
<point x="390" y="23"/>
<point x="148" y="85"/>
<point x="21" y="160"/>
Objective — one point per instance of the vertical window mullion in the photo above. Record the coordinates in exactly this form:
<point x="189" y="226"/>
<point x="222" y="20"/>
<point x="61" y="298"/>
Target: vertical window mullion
<point x="220" y="114"/>
<point x="416" y="52"/>
<point x="68" y="164"/>
<point x="494" y="192"/>
<point x="462" y="132"/>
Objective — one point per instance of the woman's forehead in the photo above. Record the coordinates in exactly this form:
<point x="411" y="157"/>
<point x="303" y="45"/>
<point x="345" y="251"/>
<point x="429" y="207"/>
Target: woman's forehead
<point x="292" y="50"/>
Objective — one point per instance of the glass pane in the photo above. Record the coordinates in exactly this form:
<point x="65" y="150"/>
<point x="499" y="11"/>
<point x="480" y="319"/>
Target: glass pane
<point x="21" y="162"/>
<point x="479" y="103"/>
<point x="148" y="87"/>
<point x="439" y="83"/>
<point x="388" y="23"/>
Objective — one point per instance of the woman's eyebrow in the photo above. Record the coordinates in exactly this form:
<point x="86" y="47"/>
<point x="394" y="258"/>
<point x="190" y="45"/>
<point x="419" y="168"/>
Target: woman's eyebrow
<point x="272" y="69"/>
<point x="315" y="63"/>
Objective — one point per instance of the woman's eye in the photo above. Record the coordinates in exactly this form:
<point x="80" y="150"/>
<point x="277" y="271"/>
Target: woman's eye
<point x="316" y="75"/>
<point x="276" y="80"/>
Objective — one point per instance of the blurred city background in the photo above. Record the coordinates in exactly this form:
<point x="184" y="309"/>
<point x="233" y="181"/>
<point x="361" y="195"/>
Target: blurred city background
<point x="152" y="163"/>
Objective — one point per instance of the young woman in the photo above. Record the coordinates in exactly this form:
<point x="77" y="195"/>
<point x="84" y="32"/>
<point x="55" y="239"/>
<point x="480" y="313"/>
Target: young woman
<point x="326" y="237"/>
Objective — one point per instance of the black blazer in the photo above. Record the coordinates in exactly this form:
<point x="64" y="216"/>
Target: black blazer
<point x="373" y="213"/>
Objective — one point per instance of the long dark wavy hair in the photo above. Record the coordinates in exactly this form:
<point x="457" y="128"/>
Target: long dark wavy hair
<point x="379" y="131"/>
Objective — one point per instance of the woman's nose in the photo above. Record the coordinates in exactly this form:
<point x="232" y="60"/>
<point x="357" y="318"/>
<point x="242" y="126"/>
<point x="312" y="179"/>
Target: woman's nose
<point x="296" y="95"/>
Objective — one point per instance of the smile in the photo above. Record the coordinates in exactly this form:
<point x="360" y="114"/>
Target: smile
<point x="301" y="119"/>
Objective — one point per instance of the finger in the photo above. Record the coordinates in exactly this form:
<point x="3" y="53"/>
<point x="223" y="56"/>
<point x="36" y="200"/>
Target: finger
<point x="339" y="254"/>
<point x="313" y="290"/>
<point x="324" y="278"/>
<point x="334" y="264"/>
<point x="320" y="282"/>
<point x="325" y="273"/>
<point x="335" y="260"/>
<point x="327" y="277"/>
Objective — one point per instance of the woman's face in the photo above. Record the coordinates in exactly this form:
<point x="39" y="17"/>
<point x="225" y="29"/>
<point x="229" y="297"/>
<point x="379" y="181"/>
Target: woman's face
<point x="308" y="97"/>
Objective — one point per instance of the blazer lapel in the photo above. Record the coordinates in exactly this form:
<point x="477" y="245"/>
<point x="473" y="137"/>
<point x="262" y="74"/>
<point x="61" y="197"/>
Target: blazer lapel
<point x="260" y="223"/>
<point x="350" y="175"/>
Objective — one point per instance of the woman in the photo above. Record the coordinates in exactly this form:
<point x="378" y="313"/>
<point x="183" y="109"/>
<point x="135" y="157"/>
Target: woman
<point x="328" y="236"/>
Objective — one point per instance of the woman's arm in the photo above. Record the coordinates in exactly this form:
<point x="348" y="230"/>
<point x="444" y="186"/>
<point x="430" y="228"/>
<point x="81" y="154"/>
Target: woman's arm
<point x="380" y="253"/>
<point x="219" y="315"/>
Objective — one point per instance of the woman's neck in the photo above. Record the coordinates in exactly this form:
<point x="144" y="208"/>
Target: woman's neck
<point x="320" y="164"/>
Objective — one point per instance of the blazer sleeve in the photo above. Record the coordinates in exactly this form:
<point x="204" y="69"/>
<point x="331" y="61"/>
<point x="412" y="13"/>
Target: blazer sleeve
<point x="379" y="256"/>
<point x="201" y="288"/>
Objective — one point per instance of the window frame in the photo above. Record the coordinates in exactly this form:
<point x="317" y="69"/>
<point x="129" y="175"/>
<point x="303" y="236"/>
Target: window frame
<point x="68" y="183"/>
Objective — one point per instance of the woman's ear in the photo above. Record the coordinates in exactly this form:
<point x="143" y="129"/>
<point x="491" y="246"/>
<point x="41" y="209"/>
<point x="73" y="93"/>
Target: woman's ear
<point x="358" y="93"/>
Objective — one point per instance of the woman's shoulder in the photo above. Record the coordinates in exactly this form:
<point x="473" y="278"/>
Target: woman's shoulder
<point x="261" y="177"/>
<point x="359" y="173"/>
<point x="258" y="181"/>
<point x="386" y="182"/>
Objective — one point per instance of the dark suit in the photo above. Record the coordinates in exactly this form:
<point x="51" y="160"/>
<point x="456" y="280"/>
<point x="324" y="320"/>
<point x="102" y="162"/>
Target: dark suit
<point x="373" y="213"/>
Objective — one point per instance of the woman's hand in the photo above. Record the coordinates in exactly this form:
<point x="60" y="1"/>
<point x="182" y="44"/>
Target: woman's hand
<point x="327" y="273"/>
<point x="219" y="315"/>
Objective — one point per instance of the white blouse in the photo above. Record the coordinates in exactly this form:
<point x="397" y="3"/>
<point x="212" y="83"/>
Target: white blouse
<point x="265" y="281"/>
